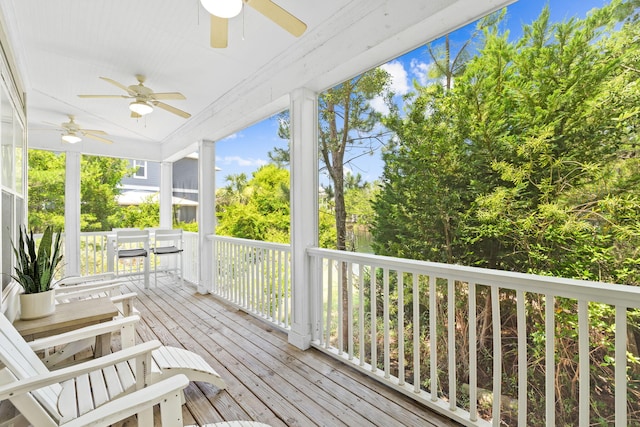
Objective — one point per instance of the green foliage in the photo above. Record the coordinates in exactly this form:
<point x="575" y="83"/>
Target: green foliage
<point x="99" y="180"/>
<point x="46" y="190"/>
<point x="529" y="163"/>
<point x="34" y="270"/>
<point x="144" y="215"/>
<point x="100" y="177"/>
<point x="256" y="209"/>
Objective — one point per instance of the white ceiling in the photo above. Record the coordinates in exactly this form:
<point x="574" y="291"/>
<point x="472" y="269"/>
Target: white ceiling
<point x="62" y="46"/>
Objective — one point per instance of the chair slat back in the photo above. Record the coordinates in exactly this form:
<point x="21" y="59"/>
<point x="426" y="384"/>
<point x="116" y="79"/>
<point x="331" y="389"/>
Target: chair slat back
<point x="23" y="363"/>
<point x="131" y="237"/>
<point x="168" y="238"/>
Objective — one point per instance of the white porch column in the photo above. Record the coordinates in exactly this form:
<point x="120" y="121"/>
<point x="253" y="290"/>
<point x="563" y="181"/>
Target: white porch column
<point x="166" y="195"/>
<point x="72" y="213"/>
<point x="206" y="213"/>
<point x="304" y="209"/>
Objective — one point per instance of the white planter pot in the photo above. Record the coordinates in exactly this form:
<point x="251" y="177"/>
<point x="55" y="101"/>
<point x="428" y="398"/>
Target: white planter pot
<point x="34" y="306"/>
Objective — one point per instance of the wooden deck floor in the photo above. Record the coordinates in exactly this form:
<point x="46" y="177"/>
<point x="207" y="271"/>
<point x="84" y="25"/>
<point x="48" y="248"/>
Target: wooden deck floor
<point x="268" y="379"/>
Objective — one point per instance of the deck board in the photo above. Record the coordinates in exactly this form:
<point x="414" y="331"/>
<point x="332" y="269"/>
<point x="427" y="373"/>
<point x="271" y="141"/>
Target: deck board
<point x="268" y="379"/>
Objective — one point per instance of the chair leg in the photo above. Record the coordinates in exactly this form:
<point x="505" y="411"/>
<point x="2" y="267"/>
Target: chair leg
<point x="181" y="270"/>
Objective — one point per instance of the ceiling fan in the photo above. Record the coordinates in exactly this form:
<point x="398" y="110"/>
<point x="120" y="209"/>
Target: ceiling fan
<point x="144" y="98"/>
<point x="222" y="10"/>
<point x="73" y="133"/>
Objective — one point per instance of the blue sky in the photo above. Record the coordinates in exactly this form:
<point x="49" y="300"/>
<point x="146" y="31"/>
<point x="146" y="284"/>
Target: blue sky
<point x="246" y="151"/>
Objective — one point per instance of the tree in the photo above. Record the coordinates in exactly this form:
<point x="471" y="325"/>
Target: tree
<point x="46" y="190"/>
<point x="99" y="181"/>
<point x="100" y="178"/>
<point x="529" y="163"/>
<point x="491" y="172"/>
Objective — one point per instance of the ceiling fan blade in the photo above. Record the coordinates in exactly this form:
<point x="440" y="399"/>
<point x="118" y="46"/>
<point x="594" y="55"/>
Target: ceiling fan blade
<point x="98" y="138"/>
<point x="115" y="83"/>
<point x="171" y="109"/>
<point x="278" y="15"/>
<point x="104" y="96"/>
<point x="168" y="95"/>
<point x="219" y="32"/>
<point x="94" y="131"/>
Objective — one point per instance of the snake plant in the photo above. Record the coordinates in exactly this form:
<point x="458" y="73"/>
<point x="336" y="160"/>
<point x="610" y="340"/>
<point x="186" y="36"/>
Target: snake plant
<point x="35" y="270"/>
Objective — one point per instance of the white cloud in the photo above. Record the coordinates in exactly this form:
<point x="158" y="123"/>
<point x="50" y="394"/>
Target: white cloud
<point x="420" y="70"/>
<point x="379" y="105"/>
<point x="242" y="161"/>
<point x="399" y="78"/>
<point x="399" y="85"/>
<point x="232" y="136"/>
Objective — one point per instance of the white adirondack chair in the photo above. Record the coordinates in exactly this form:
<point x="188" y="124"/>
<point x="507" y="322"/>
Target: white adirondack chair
<point x="166" y="360"/>
<point x="98" y="392"/>
<point x="73" y="395"/>
<point x="96" y="286"/>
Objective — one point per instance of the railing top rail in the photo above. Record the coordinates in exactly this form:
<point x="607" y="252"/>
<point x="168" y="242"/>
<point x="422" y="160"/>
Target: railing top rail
<point x="616" y="294"/>
<point x="249" y="242"/>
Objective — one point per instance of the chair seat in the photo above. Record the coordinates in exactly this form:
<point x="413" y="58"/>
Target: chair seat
<point x="163" y="250"/>
<point x="131" y="253"/>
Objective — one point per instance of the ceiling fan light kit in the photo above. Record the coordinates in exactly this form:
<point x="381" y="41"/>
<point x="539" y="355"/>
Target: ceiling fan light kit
<point x="144" y="98"/>
<point x="71" y="138"/>
<point x="140" y="107"/>
<point x="222" y="8"/>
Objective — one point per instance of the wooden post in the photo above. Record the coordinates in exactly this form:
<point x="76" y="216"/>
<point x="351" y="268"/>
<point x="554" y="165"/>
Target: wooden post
<point x="72" y="213"/>
<point x="206" y="214"/>
<point x="304" y="212"/>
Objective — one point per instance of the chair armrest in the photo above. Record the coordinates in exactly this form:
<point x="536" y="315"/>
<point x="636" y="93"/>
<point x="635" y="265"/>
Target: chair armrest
<point x="164" y="391"/>
<point x="124" y="297"/>
<point x="53" y="377"/>
<point x="127" y="303"/>
<point x="107" y="284"/>
<point x="84" y="292"/>
<point x="77" y="280"/>
<point x="82" y="333"/>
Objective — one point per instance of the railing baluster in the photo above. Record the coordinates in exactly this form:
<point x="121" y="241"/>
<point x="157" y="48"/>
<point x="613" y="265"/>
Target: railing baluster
<point x="473" y="354"/>
<point x="361" y="346"/>
<point x="550" y="364"/>
<point x="374" y="320"/>
<point x="341" y="318"/>
<point x="584" y="362"/>
<point x="319" y="262"/>
<point x="451" y="341"/>
<point x="621" y="366"/>
<point x="401" y="355"/>
<point x="497" y="354"/>
<point x="385" y="320"/>
<point x="273" y="287"/>
<point x="433" y="338"/>
<point x="279" y="281"/>
<point x="522" y="359"/>
<point x="350" y="309"/>
<point x="329" y="300"/>
<point x="416" y="336"/>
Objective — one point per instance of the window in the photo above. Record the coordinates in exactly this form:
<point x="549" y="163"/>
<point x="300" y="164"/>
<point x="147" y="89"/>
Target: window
<point x="141" y="171"/>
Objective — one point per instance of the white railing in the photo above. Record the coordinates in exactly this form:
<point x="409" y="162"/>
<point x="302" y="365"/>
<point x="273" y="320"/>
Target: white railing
<point x="438" y="333"/>
<point x="255" y="276"/>
<point x="97" y="255"/>
<point x="441" y="333"/>
<point x="93" y="253"/>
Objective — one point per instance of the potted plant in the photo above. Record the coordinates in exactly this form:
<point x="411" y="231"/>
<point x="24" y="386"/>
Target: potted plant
<point x="34" y="271"/>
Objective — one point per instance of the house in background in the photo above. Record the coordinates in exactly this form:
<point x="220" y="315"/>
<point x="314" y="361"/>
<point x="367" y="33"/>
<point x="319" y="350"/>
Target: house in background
<point x="145" y="183"/>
